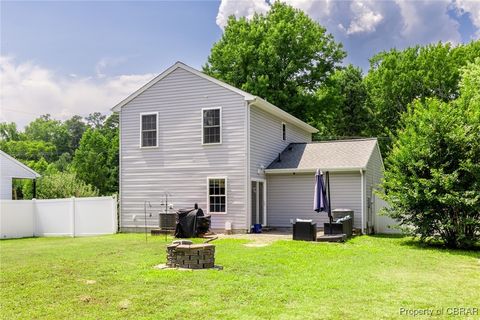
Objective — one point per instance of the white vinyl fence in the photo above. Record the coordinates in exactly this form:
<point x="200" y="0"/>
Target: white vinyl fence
<point x="58" y="217"/>
<point x="384" y="224"/>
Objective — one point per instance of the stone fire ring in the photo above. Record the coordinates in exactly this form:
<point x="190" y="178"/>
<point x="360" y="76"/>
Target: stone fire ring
<point x="163" y="266"/>
<point x="184" y="255"/>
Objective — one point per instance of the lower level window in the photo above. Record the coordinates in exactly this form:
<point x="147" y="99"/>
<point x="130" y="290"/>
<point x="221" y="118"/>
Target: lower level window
<point x="217" y="195"/>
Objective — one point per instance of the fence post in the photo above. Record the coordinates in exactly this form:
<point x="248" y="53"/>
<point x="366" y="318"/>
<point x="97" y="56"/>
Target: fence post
<point x="34" y="217"/>
<point x="73" y="217"/>
<point x="114" y="214"/>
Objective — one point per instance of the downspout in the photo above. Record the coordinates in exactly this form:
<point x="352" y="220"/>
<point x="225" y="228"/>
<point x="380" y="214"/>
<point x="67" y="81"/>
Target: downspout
<point x="247" y="166"/>
<point x="119" y="200"/>
<point x="363" y="200"/>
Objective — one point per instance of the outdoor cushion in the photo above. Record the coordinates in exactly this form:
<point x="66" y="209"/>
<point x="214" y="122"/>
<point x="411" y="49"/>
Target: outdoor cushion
<point x="304" y="220"/>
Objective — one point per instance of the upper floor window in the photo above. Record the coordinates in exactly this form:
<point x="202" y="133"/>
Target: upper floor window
<point x="284" y="131"/>
<point x="149" y="129"/>
<point x="212" y="126"/>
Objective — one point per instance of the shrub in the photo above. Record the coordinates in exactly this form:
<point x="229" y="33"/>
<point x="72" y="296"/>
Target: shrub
<point x="432" y="176"/>
<point x="63" y="185"/>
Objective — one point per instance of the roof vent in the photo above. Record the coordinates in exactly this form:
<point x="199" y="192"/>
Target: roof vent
<point x="279" y="158"/>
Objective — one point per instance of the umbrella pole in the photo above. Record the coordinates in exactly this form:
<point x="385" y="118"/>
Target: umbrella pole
<point x="329" y="202"/>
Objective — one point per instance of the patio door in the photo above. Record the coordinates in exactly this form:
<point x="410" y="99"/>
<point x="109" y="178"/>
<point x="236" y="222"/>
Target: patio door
<point x="258" y="202"/>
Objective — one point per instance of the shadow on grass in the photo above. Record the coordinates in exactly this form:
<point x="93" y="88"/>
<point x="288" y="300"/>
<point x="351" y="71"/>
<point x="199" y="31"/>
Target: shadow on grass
<point x="438" y="246"/>
<point x="388" y="236"/>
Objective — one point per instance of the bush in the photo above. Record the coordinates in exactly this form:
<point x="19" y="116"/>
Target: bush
<point x="63" y="185"/>
<point x="432" y="176"/>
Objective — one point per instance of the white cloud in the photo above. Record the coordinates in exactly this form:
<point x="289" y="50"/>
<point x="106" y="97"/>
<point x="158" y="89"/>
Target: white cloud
<point x="106" y="62"/>
<point x="428" y="21"/>
<point x="244" y="8"/>
<point x="29" y="90"/>
<point x="364" y="18"/>
<point x="472" y="8"/>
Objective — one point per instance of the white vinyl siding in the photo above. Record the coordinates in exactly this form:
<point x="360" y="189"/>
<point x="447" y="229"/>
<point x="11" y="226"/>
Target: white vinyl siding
<point x="212" y="125"/>
<point x="11" y="168"/>
<point x="374" y="176"/>
<point x="266" y="139"/>
<point x="181" y="164"/>
<point x="149" y="130"/>
<point x="290" y="196"/>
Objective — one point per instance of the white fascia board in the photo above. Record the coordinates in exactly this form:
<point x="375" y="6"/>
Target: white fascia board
<point x="294" y="170"/>
<point x="272" y="109"/>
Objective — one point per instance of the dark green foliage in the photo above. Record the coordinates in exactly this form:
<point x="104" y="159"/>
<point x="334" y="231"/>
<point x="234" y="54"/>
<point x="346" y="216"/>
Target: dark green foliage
<point x="432" y="180"/>
<point x="48" y="146"/>
<point x="283" y="56"/>
<point x="75" y="127"/>
<point x="29" y="150"/>
<point x="343" y="99"/>
<point x="8" y="132"/>
<point x="96" y="159"/>
<point x="95" y="120"/>
<point x="51" y="131"/>
<point x="396" y="78"/>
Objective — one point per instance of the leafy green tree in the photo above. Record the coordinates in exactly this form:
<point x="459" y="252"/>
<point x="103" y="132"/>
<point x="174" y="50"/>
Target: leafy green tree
<point x="111" y="123"/>
<point x="396" y="78"/>
<point x="343" y="99"/>
<point x="95" y="120"/>
<point x="96" y="159"/>
<point x="8" y="132"/>
<point x="29" y="150"/>
<point x="283" y="56"/>
<point x="51" y="131"/>
<point x="63" y="163"/>
<point x="75" y="128"/>
<point x="432" y="180"/>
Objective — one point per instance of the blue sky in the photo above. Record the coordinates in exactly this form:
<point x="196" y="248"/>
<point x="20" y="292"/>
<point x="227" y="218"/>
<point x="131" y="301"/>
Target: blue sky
<point x="69" y="58"/>
<point x="131" y="37"/>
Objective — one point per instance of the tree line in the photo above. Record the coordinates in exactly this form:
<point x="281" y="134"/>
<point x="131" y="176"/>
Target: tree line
<point x="76" y="157"/>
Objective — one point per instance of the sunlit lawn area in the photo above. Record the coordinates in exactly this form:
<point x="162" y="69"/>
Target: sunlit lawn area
<point x="112" y="277"/>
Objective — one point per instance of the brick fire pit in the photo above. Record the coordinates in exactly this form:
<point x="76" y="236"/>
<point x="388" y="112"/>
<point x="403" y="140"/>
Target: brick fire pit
<point x="191" y="256"/>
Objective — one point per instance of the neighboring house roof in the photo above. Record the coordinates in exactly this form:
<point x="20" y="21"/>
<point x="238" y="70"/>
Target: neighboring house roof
<point x="11" y="167"/>
<point x="338" y="155"/>
<point x="252" y="99"/>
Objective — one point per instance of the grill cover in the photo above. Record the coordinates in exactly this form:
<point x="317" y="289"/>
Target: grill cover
<point x="191" y="223"/>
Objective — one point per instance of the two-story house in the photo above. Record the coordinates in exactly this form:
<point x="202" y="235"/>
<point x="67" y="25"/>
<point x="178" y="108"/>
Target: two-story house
<point x="242" y="159"/>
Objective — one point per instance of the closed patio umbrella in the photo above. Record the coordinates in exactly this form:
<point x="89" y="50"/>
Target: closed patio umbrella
<point x="321" y="202"/>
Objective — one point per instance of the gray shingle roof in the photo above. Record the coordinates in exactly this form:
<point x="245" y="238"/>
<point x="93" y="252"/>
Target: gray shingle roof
<point x="338" y="154"/>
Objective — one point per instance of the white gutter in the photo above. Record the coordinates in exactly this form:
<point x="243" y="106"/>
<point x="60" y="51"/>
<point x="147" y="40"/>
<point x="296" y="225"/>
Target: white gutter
<point x="363" y="199"/>
<point x="295" y="170"/>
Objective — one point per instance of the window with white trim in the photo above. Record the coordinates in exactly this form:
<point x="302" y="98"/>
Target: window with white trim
<point x="212" y="125"/>
<point x="217" y="195"/>
<point x="149" y="128"/>
<point x="284" y="131"/>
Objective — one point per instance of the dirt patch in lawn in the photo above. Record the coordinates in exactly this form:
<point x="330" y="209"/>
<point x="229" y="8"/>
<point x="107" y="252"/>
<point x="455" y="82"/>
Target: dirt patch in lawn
<point x="258" y="240"/>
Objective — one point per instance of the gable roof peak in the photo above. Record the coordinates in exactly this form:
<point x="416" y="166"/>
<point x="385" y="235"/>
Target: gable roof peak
<point x="250" y="98"/>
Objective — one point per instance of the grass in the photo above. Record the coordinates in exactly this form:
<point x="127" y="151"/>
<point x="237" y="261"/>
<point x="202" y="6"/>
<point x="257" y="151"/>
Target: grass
<point x="112" y="277"/>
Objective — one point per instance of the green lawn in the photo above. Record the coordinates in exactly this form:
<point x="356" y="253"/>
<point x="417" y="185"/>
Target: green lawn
<point x="112" y="277"/>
